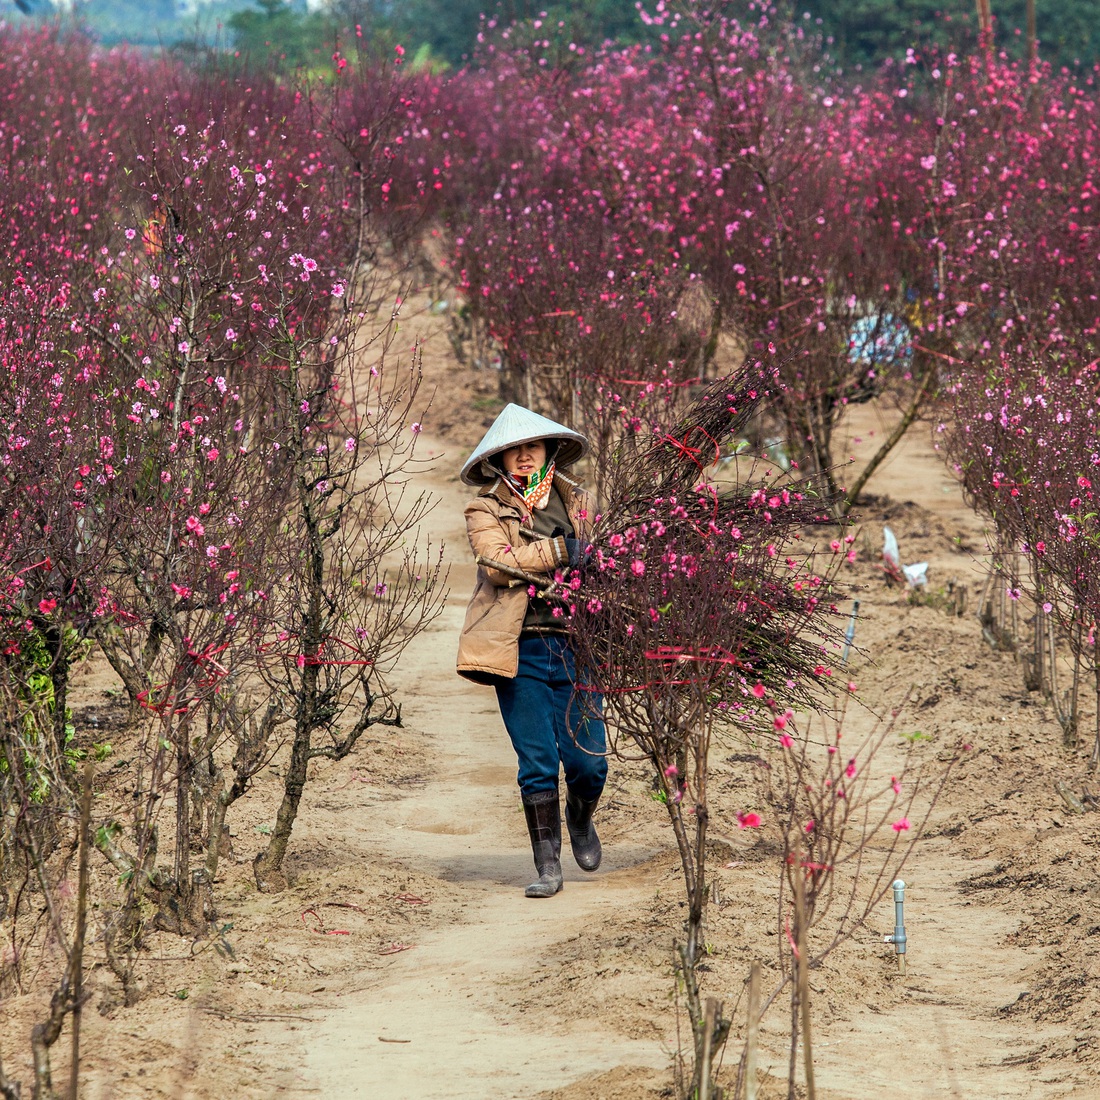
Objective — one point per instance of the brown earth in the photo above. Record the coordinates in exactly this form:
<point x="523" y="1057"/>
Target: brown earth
<point x="404" y="961"/>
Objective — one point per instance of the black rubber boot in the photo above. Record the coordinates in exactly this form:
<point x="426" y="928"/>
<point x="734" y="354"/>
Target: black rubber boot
<point x="587" y="850"/>
<point x="544" y="824"/>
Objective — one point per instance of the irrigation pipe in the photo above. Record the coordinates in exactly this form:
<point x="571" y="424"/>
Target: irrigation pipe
<point x="898" y="938"/>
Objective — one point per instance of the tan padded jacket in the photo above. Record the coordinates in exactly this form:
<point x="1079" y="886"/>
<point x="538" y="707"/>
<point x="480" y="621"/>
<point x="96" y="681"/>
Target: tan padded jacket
<point x="499" y="527"/>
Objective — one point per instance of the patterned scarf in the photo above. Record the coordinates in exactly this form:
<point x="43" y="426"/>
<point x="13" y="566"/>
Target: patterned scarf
<point x="536" y="492"/>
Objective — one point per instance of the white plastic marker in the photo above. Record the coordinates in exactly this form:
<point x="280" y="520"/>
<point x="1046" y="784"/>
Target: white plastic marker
<point x="916" y="575"/>
<point x="891" y="555"/>
<point x="850" y="632"/>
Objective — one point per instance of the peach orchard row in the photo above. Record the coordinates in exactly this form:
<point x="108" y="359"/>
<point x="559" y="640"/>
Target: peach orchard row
<point x="194" y="478"/>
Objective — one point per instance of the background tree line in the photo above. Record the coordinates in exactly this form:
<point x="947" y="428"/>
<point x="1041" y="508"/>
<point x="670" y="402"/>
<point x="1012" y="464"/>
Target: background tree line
<point x="859" y="33"/>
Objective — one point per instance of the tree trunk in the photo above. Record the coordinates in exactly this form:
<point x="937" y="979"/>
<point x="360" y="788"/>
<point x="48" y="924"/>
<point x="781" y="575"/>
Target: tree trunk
<point x="985" y="19"/>
<point x="59" y="678"/>
<point x="268" y="865"/>
<point x="803" y="974"/>
<point x="852" y="494"/>
<point x="182" y="869"/>
<point x="76" y="962"/>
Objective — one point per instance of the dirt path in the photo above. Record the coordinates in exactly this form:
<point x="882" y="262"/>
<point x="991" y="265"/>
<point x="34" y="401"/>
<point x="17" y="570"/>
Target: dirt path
<point x="449" y="997"/>
<point x="437" y="1021"/>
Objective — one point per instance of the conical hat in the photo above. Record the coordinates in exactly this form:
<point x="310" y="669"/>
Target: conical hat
<point x="516" y="425"/>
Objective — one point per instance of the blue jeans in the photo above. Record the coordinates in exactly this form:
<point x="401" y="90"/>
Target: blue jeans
<point x="550" y="723"/>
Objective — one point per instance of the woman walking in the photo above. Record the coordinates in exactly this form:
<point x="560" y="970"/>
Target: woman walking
<point x="528" y="522"/>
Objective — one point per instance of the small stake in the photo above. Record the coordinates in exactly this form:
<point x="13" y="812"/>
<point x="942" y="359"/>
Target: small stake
<point x="752" y="1032"/>
<point x="898" y="938"/>
<point x="711" y="1013"/>
<point x="76" y="961"/>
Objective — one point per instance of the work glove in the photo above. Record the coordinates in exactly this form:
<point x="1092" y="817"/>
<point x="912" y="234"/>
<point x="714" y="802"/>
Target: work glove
<point x="579" y="553"/>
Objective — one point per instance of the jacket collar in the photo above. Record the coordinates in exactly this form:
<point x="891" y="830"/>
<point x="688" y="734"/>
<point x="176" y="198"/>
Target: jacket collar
<point x="501" y="492"/>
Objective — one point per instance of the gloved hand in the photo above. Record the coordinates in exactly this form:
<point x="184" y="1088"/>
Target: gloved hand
<point x="579" y="553"/>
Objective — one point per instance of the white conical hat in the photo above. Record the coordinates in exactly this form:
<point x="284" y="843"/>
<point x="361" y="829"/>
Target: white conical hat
<point x="516" y="425"/>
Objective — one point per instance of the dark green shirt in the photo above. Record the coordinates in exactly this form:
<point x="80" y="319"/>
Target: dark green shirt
<point x="545" y="522"/>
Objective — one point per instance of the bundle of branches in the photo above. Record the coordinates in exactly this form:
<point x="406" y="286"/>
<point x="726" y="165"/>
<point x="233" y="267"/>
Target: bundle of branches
<point x="695" y="601"/>
<point x="686" y="571"/>
<point x="670" y="463"/>
<point x="695" y="610"/>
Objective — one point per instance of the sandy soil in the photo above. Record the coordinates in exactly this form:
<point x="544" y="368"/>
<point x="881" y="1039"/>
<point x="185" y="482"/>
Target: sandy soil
<point x="404" y="961"/>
